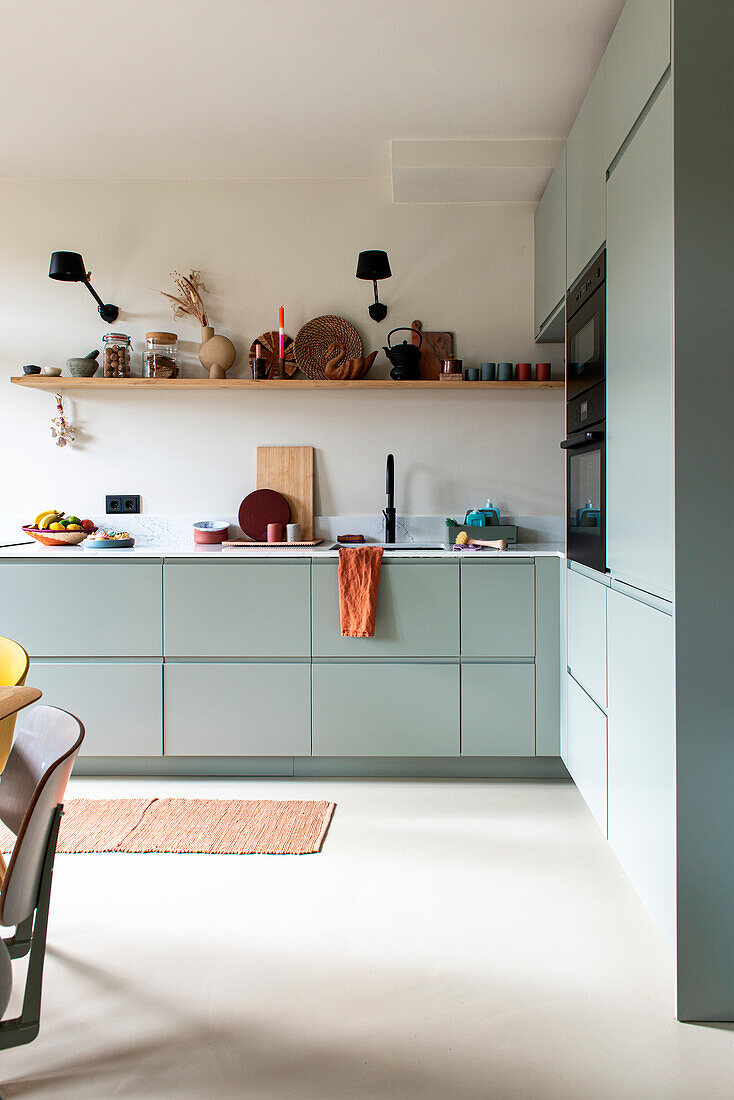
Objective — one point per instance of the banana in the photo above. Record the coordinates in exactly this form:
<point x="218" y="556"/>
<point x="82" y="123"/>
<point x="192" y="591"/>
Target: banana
<point x="45" y="521"/>
<point x="46" y="512"/>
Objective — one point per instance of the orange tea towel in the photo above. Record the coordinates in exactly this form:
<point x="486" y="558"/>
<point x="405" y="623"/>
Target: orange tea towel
<point x="359" y="579"/>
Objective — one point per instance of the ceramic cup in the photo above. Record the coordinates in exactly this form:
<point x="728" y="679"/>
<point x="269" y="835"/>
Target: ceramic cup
<point x="542" y="372"/>
<point x="275" y="532"/>
<point x="472" y="374"/>
<point x="293" y="532"/>
<point x="522" y="372"/>
<point x="488" y="371"/>
<point x="504" y="372"/>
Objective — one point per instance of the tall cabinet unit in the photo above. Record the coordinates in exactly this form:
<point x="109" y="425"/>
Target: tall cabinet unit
<point x="640" y="355"/>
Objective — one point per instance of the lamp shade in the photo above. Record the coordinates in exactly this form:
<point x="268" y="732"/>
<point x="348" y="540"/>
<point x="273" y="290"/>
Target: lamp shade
<point x="68" y="267"/>
<point x="373" y="265"/>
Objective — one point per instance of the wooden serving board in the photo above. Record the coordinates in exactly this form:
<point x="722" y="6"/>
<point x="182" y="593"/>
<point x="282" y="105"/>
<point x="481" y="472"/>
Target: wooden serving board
<point x="436" y="346"/>
<point x="289" y="470"/>
<point x="246" y="544"/>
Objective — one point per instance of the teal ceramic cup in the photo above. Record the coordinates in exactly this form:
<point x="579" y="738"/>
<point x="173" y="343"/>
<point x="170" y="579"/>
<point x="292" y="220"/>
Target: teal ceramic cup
<point x="472" y="374"/>
<point x="505" y="372"/>
<point x="488" y="371"/>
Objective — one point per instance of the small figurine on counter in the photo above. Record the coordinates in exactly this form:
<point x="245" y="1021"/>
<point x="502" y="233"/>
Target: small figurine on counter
<point x="62" y="432"/>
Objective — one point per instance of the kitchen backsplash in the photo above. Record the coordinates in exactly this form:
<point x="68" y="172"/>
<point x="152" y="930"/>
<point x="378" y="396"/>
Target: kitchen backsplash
<point x="175" y="531"/>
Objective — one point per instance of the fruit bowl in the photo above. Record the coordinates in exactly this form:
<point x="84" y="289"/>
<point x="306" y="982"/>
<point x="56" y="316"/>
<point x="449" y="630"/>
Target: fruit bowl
<point x="56" y="538"/>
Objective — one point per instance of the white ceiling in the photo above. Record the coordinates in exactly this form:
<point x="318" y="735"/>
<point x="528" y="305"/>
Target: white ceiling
<point x="282" y="88"/>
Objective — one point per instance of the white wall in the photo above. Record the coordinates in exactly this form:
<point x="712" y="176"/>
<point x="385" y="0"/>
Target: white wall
<point x="259" y="243"/>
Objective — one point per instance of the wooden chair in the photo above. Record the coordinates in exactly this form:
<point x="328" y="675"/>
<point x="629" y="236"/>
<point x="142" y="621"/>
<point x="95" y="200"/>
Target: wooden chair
<point x="14" y="663"/>
<point x="31" y="792"/>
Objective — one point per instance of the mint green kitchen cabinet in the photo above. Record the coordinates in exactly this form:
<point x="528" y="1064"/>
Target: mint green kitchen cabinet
<point x="237" y="609"/>
<point x="547" y="655"/>
<point x="639" y="450"/>
<point x="498" y="709"/>
<point x="371" y="708"/>
<point x="586" y="165"/>
<point x="550" y="251"/>
<point x="497" y="608"/>
<point x="86" y="608"/>
<point x="586" y="750"/>
<point x="118" y="702"/>
<point x="641" y="752"/>
<point x="637" y="55"/>
<point x="587" y="634"/>
<point x="237" y="708"/>
<point x="417" y="611"/>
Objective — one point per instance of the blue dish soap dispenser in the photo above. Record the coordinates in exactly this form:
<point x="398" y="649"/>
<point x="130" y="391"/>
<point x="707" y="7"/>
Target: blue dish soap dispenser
<point x="491" y="514"/>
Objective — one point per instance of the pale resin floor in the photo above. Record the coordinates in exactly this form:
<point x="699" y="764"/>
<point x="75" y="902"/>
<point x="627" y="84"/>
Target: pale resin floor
<point x="453" y="940"/>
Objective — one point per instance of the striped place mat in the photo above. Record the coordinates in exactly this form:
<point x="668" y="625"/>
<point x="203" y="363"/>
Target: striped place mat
<point x="212" y="826"/>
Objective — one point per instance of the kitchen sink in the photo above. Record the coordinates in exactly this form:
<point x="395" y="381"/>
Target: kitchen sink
<point x="417" y="546"/>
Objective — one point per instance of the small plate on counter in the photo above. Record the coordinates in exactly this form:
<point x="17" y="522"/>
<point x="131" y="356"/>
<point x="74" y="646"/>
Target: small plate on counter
<point x="111" y="540"/>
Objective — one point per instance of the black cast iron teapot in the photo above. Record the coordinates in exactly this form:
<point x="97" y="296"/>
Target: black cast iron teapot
<point x="404" y="357"/>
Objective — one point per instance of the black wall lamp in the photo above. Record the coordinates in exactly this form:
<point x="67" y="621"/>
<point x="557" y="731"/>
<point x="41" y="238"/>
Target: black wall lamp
<point x="68" y="267"/>
<point x="374" y="265"/>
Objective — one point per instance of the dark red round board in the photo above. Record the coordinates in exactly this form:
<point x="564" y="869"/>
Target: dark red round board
<point x="260" y="508"/>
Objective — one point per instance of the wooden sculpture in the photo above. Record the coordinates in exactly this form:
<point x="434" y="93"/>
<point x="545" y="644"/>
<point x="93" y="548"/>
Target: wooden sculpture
<point x="340" y="369"/>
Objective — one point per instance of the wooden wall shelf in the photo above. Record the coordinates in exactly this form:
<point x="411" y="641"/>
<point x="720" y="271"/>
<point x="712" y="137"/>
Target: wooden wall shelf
<point x="65" y="382"/>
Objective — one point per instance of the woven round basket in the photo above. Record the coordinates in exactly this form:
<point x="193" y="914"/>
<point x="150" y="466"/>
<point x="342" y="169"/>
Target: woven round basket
<point x="316" y="336"/>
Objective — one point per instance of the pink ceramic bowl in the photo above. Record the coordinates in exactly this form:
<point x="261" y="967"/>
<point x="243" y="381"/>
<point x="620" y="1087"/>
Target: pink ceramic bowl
<point x="211" y="531"/>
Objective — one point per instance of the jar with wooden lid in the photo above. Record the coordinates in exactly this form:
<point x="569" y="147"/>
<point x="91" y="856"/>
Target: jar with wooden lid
<point x="116" y="355"/>
<point x="160" y="358"/>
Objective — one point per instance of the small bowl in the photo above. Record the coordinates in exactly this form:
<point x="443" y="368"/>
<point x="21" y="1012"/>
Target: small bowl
<point x="56" y="538"/>
<point x="81" y="367"/>
<point x="31" y="368"/>
<point x="211" y="531"/>
<point x="52" y="372"/>
<point x="93" y="543"/>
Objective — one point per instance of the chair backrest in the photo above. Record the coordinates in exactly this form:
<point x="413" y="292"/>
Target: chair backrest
<point x="31" y="787"/>
<point x="13" y="670"/>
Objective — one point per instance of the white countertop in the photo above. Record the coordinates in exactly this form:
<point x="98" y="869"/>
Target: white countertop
<point x="35" y="552"/>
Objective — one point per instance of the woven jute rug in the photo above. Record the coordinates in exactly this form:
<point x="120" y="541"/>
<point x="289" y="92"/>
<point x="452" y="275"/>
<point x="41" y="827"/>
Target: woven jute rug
<point x="212" y="826"/>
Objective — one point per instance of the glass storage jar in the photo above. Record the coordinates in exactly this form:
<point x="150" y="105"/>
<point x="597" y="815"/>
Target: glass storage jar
<point x="116" y="355"/>
<point x="160" y="355"/>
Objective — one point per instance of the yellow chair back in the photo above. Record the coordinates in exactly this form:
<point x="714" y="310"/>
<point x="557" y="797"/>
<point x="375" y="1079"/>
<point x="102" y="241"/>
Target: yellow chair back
<point x="14" y="663"/>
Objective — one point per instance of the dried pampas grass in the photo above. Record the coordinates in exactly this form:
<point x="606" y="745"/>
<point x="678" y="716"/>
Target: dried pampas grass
<point x="189" y="303"/>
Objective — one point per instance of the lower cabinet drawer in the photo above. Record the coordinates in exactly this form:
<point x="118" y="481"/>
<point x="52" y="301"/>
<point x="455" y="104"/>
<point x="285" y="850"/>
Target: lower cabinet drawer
<point x="237" y="709"/>
<point x="373" y="709"/>
<point x="118" y="703"/>
<point x="586" y="750"/>
<point x="498" y="710"/>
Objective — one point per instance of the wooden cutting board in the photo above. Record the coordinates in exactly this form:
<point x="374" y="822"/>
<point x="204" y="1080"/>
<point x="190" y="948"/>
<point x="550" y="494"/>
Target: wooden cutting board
<point x="435" y="347"/>
<point x="289" y="470"/>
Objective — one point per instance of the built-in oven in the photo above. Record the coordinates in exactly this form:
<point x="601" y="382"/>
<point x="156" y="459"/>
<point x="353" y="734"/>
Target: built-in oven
<point x="586" y="331"/>
<point x="586" y="479"/>
<point x="586" y="418"/>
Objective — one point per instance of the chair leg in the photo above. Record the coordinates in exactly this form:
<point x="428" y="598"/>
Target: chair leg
<point x="19" y="944"/>
<point x="24" y="1028"/>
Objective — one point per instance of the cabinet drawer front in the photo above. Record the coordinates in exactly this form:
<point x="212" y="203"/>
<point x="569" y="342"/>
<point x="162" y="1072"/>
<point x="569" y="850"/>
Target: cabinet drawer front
<point x="238" y="709"/>
<point x="497" y="609"/>
<point x="550" y="245"/>
<point x="587" y="634"/>
<point x="417" y="612"/>
<point x="498" y="710"/>
<point x="82" y="609"/>
<point x="642" y="752"/>
<point x="586" y="753"/>
<point x="637" y="56"/>
<point x="374" y="709"/>
<point x="640" y="355"/>
<point x="586" y="165"/>
<point x="237" y="609"/>
<point x="118" y="703"/>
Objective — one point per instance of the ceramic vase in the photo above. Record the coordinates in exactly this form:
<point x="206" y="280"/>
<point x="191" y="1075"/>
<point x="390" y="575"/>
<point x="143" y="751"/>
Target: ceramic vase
<point x="216" y="354"/>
